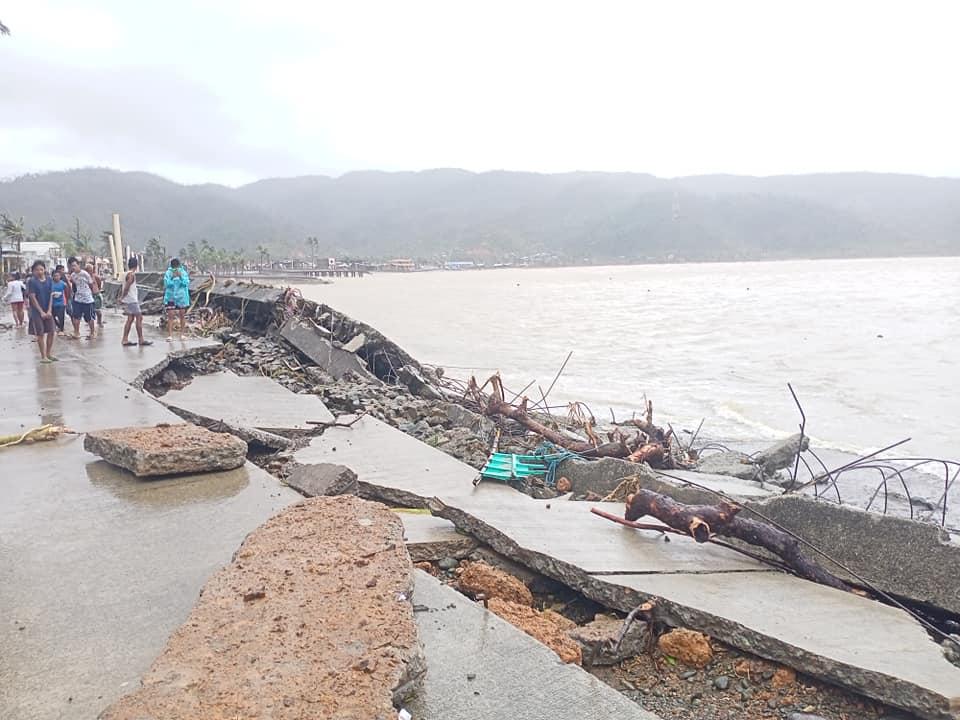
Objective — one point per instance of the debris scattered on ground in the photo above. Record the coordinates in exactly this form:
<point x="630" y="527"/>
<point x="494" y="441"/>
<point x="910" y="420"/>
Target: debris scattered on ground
<point x="167" y="449"/>
<point x="478" y="579"/>
<point x="314" y="612"/>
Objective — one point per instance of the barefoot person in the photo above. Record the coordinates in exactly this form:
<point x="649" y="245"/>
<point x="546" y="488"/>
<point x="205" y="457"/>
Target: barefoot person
<point x="130" y="298"/>
<point x="60" y="295"/>
<point x="40" y="294"/>
<point x="82" y="298"/>
<point x="15" y="294"/>
<point x="176" y="296"/>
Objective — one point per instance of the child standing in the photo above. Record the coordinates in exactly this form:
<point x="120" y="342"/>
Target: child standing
<point x="15" y="294"/>
<point x="59" y="300"/>
<point x="40" y="293"/>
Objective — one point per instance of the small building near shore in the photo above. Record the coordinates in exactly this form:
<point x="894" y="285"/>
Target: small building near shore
<point x="401" y="265"/>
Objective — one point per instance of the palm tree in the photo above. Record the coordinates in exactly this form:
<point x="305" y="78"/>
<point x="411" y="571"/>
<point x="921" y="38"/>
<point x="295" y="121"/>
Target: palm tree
<point x="13" y="231"/>
<point x="154" y="252"/>
<point x="314" y="244"/>
<point x="262" y="252"/>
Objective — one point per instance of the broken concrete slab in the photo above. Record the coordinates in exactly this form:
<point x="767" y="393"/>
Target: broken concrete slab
<point x="304" y="336"/>
<point x="322" y="479"/>
<point x="562" y="540"/>
<point x="734" y="464"/>
<point x="431" y="539"/>
<point x="254" y="438"/>
<point x="314" y="611"/>
<point x="248" y="402"/>
<point x="837" y="636"/>
<point x="355" y="343"/>
<point x="603" y="476"/>
<point x="904" y="557"/>
<point x="98" y="567"/>
<point x="483" y="668"/>
<point x="179" y="449"/>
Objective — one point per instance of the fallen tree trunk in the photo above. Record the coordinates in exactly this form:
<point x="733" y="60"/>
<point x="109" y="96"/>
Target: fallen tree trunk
<point x="703" y="521"/>
<point x="497" y="406"/>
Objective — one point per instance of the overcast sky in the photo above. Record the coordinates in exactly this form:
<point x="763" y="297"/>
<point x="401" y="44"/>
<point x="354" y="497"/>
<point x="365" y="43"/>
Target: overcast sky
<point x="234" y="90"/>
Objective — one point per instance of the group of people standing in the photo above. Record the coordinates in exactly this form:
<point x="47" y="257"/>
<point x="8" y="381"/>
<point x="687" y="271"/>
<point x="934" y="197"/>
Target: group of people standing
<point x="48" y="298"/>
<point x="44" y="300"/>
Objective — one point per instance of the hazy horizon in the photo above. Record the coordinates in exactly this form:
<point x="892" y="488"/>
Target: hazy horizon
<point x="218" y="92"/>
<point x="373" y="170"/>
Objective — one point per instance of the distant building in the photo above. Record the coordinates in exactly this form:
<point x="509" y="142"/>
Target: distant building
<point x="459" y="265"/>
<point x="49" y="252"/>
<point x="401" y="265"/>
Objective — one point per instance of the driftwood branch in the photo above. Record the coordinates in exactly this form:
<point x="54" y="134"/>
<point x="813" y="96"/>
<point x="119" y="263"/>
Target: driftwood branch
<point x="651" y="445"/>
<point x="701" y="522"/>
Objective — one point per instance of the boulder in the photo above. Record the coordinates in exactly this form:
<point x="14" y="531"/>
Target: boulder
<point x="782" y="454"/>
<point x="167" y="449"/>
<point x="312" y="618"/>
<point x="597" y="640"/>
<point x="689" y="647"/>
<point x="323" y="479"/>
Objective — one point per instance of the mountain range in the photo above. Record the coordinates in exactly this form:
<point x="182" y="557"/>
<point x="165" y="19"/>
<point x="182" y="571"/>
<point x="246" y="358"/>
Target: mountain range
<point x="490" y="216"/>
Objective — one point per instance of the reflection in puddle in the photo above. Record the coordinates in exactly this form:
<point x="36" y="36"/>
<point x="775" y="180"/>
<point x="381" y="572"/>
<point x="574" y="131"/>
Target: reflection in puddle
<point x="167" y="492"/>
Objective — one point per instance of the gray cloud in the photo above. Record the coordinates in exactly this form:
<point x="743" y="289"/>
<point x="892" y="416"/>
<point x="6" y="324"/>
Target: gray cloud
<point x="130" y="117"/>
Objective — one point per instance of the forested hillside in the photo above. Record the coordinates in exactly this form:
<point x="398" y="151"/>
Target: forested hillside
<point x="507" y="215"/>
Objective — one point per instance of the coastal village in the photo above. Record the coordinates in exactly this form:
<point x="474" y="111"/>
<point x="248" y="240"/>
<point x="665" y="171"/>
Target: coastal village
<point x="286" y="515"/>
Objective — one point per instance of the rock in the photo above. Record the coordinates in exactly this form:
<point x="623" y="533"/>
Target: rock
<point x="721" y="682"/>
<point x="782" y="454"/>
<point x="535" y="625"/>
<point x="597" y="640"/>
<point x="328" y="625"/>
<point x="784" y="677"/>
<point x="322" y="479"/>
<point x="804" y="716"/>
<point x="356" y="343"/>
<point x="733" y="464"/>
<point x="167" y="449"/>
<point x="448" y="563"/>
<point x="479" y="578"/>
<point x="416" y="383"/>
<point x="689" y="647"/>
<point x="563" y="485"/>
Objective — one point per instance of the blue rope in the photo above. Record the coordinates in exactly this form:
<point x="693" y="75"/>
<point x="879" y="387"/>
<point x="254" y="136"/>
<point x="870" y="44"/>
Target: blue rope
<point x="553" y="456"/>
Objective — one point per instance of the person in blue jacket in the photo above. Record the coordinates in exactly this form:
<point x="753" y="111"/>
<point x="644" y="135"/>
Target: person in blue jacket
<point x="176" y="296"/>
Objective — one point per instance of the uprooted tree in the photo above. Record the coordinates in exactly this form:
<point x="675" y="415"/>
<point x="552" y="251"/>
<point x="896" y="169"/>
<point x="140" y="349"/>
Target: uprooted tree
<point x="648" y="443"/>
<point x="703" y="522"/>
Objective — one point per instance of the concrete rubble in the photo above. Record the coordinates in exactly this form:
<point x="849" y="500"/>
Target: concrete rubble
<point x="165" y="449"/>
<point x="481" y="667"/>
<point x="875" y="650"/>
<point x="322" y="479"/>
<point x="315" y="611"/>
<point x="871" y="648"/>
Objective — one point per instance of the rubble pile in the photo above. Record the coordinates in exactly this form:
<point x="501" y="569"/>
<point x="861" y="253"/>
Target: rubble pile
<point x="445" y="425"/>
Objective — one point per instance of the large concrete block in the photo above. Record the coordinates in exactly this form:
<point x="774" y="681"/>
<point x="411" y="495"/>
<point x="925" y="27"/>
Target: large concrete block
<point x="167" y="449"/>
<point x="313" y="618"/>
<point x="303" y="335"/>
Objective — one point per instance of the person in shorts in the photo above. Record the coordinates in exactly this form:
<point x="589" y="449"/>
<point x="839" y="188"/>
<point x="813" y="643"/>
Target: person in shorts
<point x="40" y="294"/>
<point x="176" y="297"/>
<point x="82" y="298"/>
<point x="130" y="299"/>
<point x="60" y="295"/>
<point x="15" y="294"/>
